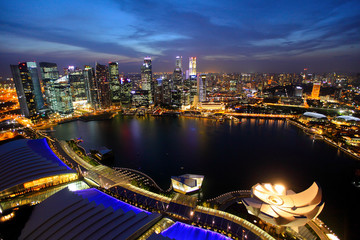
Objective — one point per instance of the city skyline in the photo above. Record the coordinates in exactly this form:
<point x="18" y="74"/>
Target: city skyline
<point x="250" y="36"/>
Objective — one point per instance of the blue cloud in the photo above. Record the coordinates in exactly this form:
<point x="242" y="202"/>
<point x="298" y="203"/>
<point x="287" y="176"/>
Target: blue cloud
<point x="219" y="33"/>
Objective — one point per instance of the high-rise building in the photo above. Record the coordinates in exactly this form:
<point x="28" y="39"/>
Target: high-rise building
<point x="146" y="78"/>
<point x="78" y="87"/>
<point x="178" y="75"/>
<point x="28" y="88"/>
<point x="176" y="98"/>
<point x="102" y="80"/>
<point x="178" y="63"/>
<point x="140" y="98"/>
<point x="166" y="91"/>
<point x="126" y="88"/>
<point x="298" y="91"/>
<point x="49" y="74"/>
<point x="192" y="83"/>
<point x="201" y="87"/>
<point x="92" y="87"/>
<point x="192" y="66"/>
<point x="62" y="96"/>
<point x="115" y="87"/>
<point x="315" y="94"/>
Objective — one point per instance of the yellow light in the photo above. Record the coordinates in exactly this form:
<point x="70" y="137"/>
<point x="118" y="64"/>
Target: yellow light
<point x="280" y="189"/>
<point x="268" y="186"/>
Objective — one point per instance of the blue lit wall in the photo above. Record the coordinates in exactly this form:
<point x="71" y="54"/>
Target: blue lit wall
<point x="41" y="147"/>
<point x="99" y="197"/>
<point x="185" y="231"/>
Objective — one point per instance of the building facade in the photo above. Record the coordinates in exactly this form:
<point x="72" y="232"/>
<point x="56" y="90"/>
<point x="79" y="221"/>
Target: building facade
<point x="115" y="87"/>
<point x="146" y="78"/>
<point x="49" y="74"/>
<point x="102" y="80"/>
<point x="28" y="88"/>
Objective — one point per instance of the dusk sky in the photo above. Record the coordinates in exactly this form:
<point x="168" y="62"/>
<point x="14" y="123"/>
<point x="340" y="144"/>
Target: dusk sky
<point x="229" y="36"/>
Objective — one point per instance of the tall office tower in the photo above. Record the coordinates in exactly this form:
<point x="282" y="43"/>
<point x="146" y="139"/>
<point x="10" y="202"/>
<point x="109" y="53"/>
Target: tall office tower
<point x="92" y="87"/>
<point x="146" y="78"/>
<point x="298" y="91"/>
<point x="176" y="98"/>
<point x="192" y="66"/>
<point x="49" y="74"/>
<point x="62" y="96"/>
<point x="28" y="88"/>
<point x="316" y="91"/>
<point x="102" y="79"/>
<point x="192" y="84"/>
<point x="115" y="87"/>
<point x="178" y="63"/>
<point x="201" y="87"/>
<point x="166" y="92"/>
<point x="78" y="87"/>
<point x="126" y="88"/>
<point x="158" y="92"/>
<point x="177" y="76"/>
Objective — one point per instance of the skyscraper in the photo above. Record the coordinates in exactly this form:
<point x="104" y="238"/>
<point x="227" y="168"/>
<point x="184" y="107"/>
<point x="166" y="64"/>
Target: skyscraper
<point x="177" y="75"/>
<point x="192" y="79"/>
<point x="316" y="91"/>
<point x="178" y="63"/>
<point x="146" y="78"/>
<point x="89" y="77"/>
<point x="101" y="75"/>
<point x="62" y="96"/>
<point x="78" y="87"/>
<point x="192" y="66"/>
<point x="115" y="86"/>
<point x="28" y="88"/>
<point x="201" y="87"/>
<point x="126" y="87"/>
<point x="49" y="74"/>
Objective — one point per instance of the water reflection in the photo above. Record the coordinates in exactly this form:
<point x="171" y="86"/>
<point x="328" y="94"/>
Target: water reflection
<point x="231" y="157"/>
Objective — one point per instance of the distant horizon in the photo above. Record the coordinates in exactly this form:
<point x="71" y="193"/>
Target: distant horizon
<point x="60" y="69"/>
<point x="225" y="36"/>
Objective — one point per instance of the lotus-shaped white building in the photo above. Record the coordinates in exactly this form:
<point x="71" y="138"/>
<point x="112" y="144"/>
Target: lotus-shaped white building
<point x="278" y="206"/>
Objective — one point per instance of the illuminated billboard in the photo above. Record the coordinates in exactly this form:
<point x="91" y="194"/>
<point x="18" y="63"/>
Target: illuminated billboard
<point x="187" y="183"/>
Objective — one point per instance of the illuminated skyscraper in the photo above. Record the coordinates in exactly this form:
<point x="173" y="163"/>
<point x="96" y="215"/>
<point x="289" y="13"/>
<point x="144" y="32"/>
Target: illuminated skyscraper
<point x="49" y="74"/>
<point x="192" y="83"/>
<point x="126" y="88"/>
<point x="178" y="75"/>
<point x="316" y="91"/>
<point x="178" y="64"/>
<point x="201" y="87"/>
<point x="115" y="87"/>
<point x="146" y="78"/>
<point x="61" y="94"/>
<point x="28" y="88"/>
<point x="92" y="87"/>
<point x="101" y="75"/>
<point x="192" y="66"/>
<point x="78" y="87"/>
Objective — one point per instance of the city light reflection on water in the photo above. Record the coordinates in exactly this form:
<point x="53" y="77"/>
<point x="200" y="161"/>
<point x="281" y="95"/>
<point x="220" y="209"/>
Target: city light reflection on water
<point x="231" y="157"/>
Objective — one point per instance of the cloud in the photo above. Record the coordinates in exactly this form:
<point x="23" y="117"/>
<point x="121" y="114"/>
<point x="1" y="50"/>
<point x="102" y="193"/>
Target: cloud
<point x="217" y="32"/>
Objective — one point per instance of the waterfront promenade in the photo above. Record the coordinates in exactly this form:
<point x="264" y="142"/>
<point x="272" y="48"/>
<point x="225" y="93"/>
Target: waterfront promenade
<point x="325" y="139"/>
